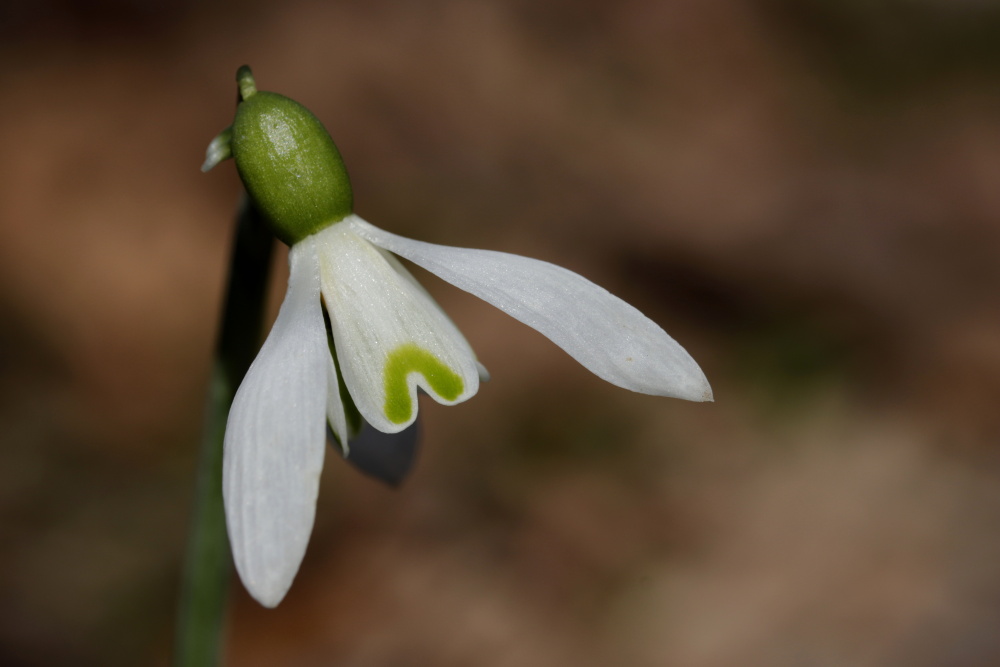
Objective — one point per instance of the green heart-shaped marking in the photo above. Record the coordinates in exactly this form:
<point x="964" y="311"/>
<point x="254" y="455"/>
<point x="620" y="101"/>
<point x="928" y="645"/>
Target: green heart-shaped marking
<point x="411" y="358"/>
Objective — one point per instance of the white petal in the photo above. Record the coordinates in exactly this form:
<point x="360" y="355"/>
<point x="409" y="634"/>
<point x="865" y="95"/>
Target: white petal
<point x="484" y="375"/>
<point x="390" y="335"/>
<point x="608" y="336"/>
<point x="335" y="414"/>
<point x="276" y="438"/>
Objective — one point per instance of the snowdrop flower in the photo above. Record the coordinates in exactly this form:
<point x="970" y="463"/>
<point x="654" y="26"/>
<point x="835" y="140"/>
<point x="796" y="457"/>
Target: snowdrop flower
<point x="389" y="337"/>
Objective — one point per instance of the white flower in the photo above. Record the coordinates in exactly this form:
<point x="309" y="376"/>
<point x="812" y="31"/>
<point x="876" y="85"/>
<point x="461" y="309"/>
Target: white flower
<point x="389" y="336"/>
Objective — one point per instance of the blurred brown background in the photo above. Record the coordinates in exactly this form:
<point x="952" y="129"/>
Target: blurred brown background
<point x="805" y="193"/>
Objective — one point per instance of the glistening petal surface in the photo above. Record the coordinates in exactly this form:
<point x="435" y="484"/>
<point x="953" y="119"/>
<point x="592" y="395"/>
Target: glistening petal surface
<point x="389" y="335"/>
<point x="608" y="336"/>
<point x="276" y="438"/>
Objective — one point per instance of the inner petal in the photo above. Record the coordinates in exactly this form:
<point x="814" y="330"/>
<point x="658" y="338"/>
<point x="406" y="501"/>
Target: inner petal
<point x="390" y="335"/>
<point x="409" y="358"/>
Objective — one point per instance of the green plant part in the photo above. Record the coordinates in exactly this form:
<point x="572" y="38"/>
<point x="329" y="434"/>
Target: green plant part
<point x="289" y="165"/>
<point x="411" y="358"/>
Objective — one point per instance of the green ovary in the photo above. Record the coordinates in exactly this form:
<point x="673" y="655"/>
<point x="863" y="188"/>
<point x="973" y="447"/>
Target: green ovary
<point x="411" y="358"/>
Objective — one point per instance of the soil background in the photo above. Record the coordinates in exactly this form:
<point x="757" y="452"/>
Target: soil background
<point x="806" y="194"/>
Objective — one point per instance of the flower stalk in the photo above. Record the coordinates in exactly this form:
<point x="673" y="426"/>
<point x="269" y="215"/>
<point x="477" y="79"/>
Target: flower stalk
<point x="208" y="565"/>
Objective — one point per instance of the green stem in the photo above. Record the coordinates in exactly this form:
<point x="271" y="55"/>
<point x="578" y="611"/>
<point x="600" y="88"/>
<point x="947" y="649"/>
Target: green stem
<point x="208" y="566"/>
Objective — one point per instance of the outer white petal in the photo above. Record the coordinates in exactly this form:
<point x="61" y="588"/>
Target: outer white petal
<point x="276" y="438"/>
<point x="390" y="335"/>
<point x="608" y="336"/>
